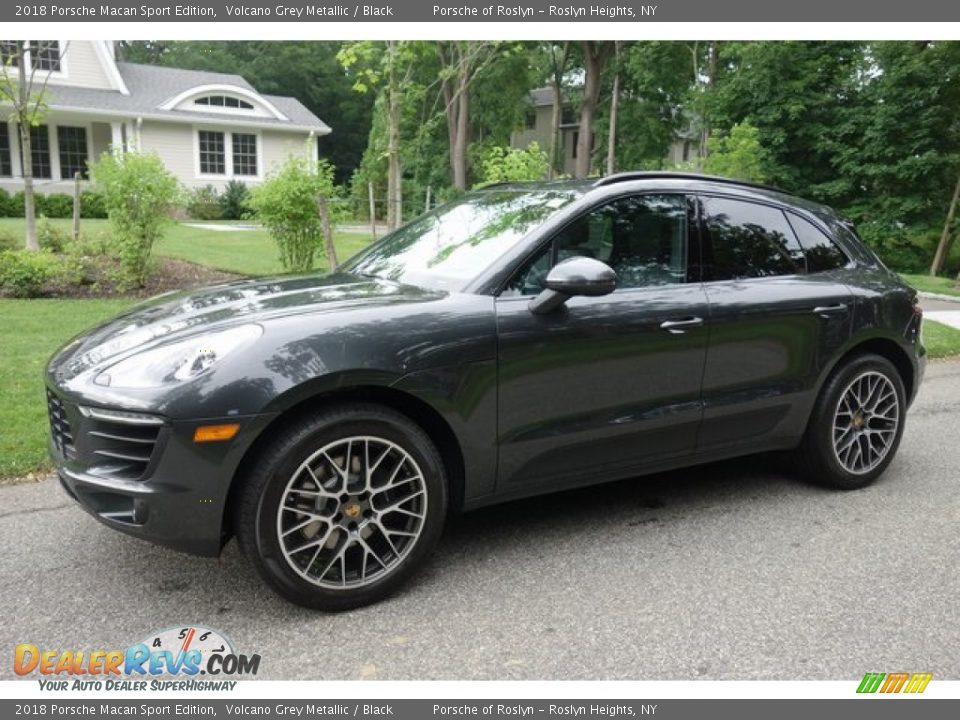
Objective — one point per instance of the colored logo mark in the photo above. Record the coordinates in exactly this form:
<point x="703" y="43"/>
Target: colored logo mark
<point x="894" y="682"/>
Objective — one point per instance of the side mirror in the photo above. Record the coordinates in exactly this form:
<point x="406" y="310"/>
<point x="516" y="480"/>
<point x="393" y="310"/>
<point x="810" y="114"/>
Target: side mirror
<point x="574" y="276"/>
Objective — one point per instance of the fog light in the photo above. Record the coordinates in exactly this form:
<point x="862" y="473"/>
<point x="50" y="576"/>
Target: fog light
<point x="215" y="433"/>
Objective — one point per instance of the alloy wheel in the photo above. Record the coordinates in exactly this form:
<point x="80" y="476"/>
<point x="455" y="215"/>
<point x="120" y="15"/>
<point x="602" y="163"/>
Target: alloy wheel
<point x="865" y="422"/>
<point x="351" y="512"/>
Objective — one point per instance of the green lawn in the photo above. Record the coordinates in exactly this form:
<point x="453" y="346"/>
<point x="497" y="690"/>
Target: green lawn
<point x="941" y="285"/>
<point x="32" y="330"/>
<point x="247" y="252"/>
<point x="941" y="340"/>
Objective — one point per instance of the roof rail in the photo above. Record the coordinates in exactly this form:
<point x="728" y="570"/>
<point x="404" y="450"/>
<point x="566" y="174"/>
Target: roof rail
<point x="667" y="174"/>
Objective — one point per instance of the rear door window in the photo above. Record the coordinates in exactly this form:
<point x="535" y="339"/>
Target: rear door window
<point x="822" y="253"/>
<point x="748" y="240"/>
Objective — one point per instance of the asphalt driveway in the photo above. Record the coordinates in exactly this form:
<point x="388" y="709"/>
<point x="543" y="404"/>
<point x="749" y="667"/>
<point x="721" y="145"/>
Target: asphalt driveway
<point x="732" y="571"/>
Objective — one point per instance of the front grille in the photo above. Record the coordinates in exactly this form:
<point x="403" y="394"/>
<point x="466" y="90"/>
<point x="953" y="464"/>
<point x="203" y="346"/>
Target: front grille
<point x="60" y="427"/>
<point x="118" y="449"/>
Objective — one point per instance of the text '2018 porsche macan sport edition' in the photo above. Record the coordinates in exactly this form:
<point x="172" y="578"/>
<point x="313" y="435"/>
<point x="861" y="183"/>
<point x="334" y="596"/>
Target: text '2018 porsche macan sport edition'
<point x="520" y="340"/>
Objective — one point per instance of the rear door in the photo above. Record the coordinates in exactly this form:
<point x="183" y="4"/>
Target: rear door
<point x="774" y="325"/>
<point x="604" y="385"/>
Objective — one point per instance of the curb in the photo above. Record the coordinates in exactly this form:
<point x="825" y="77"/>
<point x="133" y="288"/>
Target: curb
<point x="939" y="296"/>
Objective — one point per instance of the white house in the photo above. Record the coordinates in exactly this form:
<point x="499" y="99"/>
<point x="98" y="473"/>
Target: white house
<point x="208" y="128"/>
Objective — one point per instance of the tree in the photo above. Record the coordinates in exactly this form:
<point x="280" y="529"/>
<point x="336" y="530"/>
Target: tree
<point x="946" y="237"/>
<point x="595" y="57"/>
<point x="612" y="121"/>
<point x="21" y="91"/>
<point x="505" y="164"/>
<point x="558" y="57"/>
<point x="737" y="154"/>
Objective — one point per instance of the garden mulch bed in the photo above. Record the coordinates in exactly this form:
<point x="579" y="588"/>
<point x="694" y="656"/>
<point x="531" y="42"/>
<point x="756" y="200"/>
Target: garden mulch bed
<point x="168" y="274"/>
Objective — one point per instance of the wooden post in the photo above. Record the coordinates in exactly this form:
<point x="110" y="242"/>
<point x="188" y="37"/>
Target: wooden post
<point x="76" y="207"/>
<point x="946" y="237"/>
<point x="328" y="246"/>
<point x="426" y="206"/>
<point x="373" y="211"/>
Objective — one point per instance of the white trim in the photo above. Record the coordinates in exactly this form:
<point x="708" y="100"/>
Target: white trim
<point x="110" y="68"/>
<point x="88" y="129"/>
<point x="228" y="173"/>
<point x="14" y="138"/>
<point x="222" y="88"/>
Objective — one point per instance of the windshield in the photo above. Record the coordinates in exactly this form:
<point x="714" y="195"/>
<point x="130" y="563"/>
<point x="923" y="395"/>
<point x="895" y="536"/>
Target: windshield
<point x="448" y="247"/>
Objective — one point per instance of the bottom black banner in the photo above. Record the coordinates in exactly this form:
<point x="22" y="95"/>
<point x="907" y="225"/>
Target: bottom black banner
<point x="872" y="708"/>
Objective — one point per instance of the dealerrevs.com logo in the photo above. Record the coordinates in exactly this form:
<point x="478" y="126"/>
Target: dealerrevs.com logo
<point x="897" y="682"/>
<point x="172" y="659"/>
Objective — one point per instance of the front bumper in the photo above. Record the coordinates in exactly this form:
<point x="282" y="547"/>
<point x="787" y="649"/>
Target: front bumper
<point x="158" y="484"/>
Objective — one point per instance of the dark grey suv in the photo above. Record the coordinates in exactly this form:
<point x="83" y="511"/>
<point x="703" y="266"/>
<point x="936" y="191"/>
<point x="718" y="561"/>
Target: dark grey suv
<point x="520" y="340"/>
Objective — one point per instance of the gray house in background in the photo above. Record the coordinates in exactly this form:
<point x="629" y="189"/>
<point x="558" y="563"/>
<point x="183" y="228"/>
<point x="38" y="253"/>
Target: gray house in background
<point x="208" y="128"/>
<point x="537" y="129"/>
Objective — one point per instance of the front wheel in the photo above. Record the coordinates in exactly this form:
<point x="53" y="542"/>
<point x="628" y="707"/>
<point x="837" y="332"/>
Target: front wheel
<point x="342" y="509"/>
<point x="856" y="424"/>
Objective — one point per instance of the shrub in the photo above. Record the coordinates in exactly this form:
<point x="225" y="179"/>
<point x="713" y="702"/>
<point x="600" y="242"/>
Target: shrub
<point x="17" y="205"/>
<point x="203" y="203"/>
<point x="6" y="204"/>
<point x="738" y="154"/>
<point x="286" y="203"/>
<point x="57" y="205"/>
<point x="92" y="205"/>
<point x="233" y="200"/>
<point x="137" y="191"/>
<point x="505" y="164"/>
<point x="51" y="237"/>
<point x="23" y="273"/>
<point x="9" y="241"/>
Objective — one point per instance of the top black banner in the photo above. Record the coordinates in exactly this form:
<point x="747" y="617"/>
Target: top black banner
<point x="482" y="11"/>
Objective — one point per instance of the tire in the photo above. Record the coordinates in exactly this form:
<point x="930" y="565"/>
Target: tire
<point x="826" y="455"/>
<point x="322" y="531"/>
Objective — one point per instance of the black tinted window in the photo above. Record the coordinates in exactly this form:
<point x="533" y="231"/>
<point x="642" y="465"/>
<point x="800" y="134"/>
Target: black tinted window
<point x="749" y="240"/>
<point x="643" y="238"/>
<point x="822" y="253"/>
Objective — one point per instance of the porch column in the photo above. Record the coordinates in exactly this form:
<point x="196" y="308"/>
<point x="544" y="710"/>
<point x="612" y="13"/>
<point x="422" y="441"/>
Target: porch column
<point x="14" y="134"/>
<point x="116" y="137"/>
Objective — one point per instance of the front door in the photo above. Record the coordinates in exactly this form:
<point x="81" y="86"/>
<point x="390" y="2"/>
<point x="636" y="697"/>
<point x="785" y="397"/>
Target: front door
<point x="604" y="386"/>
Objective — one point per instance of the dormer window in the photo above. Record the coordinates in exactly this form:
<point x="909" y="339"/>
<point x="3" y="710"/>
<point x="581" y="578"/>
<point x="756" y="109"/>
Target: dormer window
<point x="224" y="101"/>
<point x="9" y="53"/>
<point x="46" y="55"/>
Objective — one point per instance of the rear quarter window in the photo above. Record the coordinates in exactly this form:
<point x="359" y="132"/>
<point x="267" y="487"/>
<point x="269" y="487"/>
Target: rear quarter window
<point x="822" y="252"/>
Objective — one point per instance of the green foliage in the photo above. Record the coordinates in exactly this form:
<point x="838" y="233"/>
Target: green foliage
<point x="233" y="200"/>
<point x="203" y="203"/>
<point x="286" y="204"/>
<point x="6" y="204"/>
<point x="505" y="164"/>
<point x="51" y="237"/>
<point x="9" y="241"/>
<point x="56" y="205"/>
<point x="24" y="273"/>
<point x="17" y="205"/>
<point x="738" y="154"/>
<point x="138" y="192"/>
<point x="92" y="205"/>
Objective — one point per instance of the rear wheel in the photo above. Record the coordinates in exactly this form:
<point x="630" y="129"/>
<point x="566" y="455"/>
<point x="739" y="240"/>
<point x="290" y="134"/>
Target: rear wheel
<point x="856" y="425"/>
<point x="342" y="509"/>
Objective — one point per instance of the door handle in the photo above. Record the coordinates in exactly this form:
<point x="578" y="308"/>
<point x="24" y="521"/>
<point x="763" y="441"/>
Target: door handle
<point x="678" y="327"/>
<point x="826" y="310"/>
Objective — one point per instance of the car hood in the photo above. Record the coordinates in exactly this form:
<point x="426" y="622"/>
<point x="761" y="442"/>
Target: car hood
<point x="170" y="316"/>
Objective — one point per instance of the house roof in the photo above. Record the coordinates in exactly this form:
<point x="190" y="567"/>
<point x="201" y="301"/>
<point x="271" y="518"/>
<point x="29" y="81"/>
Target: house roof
<point x="541" y="96"/>
<point x="151" y="86"/>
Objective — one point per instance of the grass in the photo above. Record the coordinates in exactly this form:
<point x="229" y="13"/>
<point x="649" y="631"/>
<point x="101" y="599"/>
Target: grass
<point x="926" y="283"/>
<point x="246" y="252"/>
<point x="941" y="340"/>
<point x="32" y="330"/>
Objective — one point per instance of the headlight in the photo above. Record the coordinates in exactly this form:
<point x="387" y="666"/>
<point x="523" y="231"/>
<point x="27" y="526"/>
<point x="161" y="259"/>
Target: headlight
<point x="177" y="361"/>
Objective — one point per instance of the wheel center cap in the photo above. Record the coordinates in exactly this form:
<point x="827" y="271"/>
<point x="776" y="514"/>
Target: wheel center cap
<point x="352" y="510"/>
<point x="858" y="420"/>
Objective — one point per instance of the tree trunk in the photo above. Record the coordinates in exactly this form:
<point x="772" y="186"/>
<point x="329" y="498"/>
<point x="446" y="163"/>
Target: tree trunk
<point x="595" y="56"/>
<point x="556" y="111"/>
<point x="456" y="97"/>
<point x="328" y="247"/>
<point x="458" y="146"/>
<point x="612" y="134"/>
<point x="946" y="237"/>
<point x="394" y="210"/>
<point x="26" y="159"/>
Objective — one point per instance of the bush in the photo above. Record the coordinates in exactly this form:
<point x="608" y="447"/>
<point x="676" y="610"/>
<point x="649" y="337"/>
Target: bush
<point x="9" y="241"/>
<point x="92" y="205"/>
<point x="51" y="237"/>
<point x="17" y="205"/>
<point x="738" y="154"/>
<point x="56" y="205"/>
<point x="286" y="203"/>
<point x="203" y="203"/>
<point x="24" y="273"/>
<point x="505" y="164"/>
<point x="138" y="192"/>
<point x="233" y="200"/>
<point x="6" y="204"/>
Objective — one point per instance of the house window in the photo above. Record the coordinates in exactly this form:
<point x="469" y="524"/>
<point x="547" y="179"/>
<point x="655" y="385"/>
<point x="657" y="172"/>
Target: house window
<point x="223" y="101"/>
<point x="9" y="53"/>
<point x="244" y="154"/>
<point x="531" y="119"/>
<point x="6" y="166"/>
<point x="72" y="143"/>
<point x="568" y="116"/>
<point x="576" y="141"/>
<point x="46" y="55"/>
<point x="213" y="159"/>
<point x="39" y="152"/>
